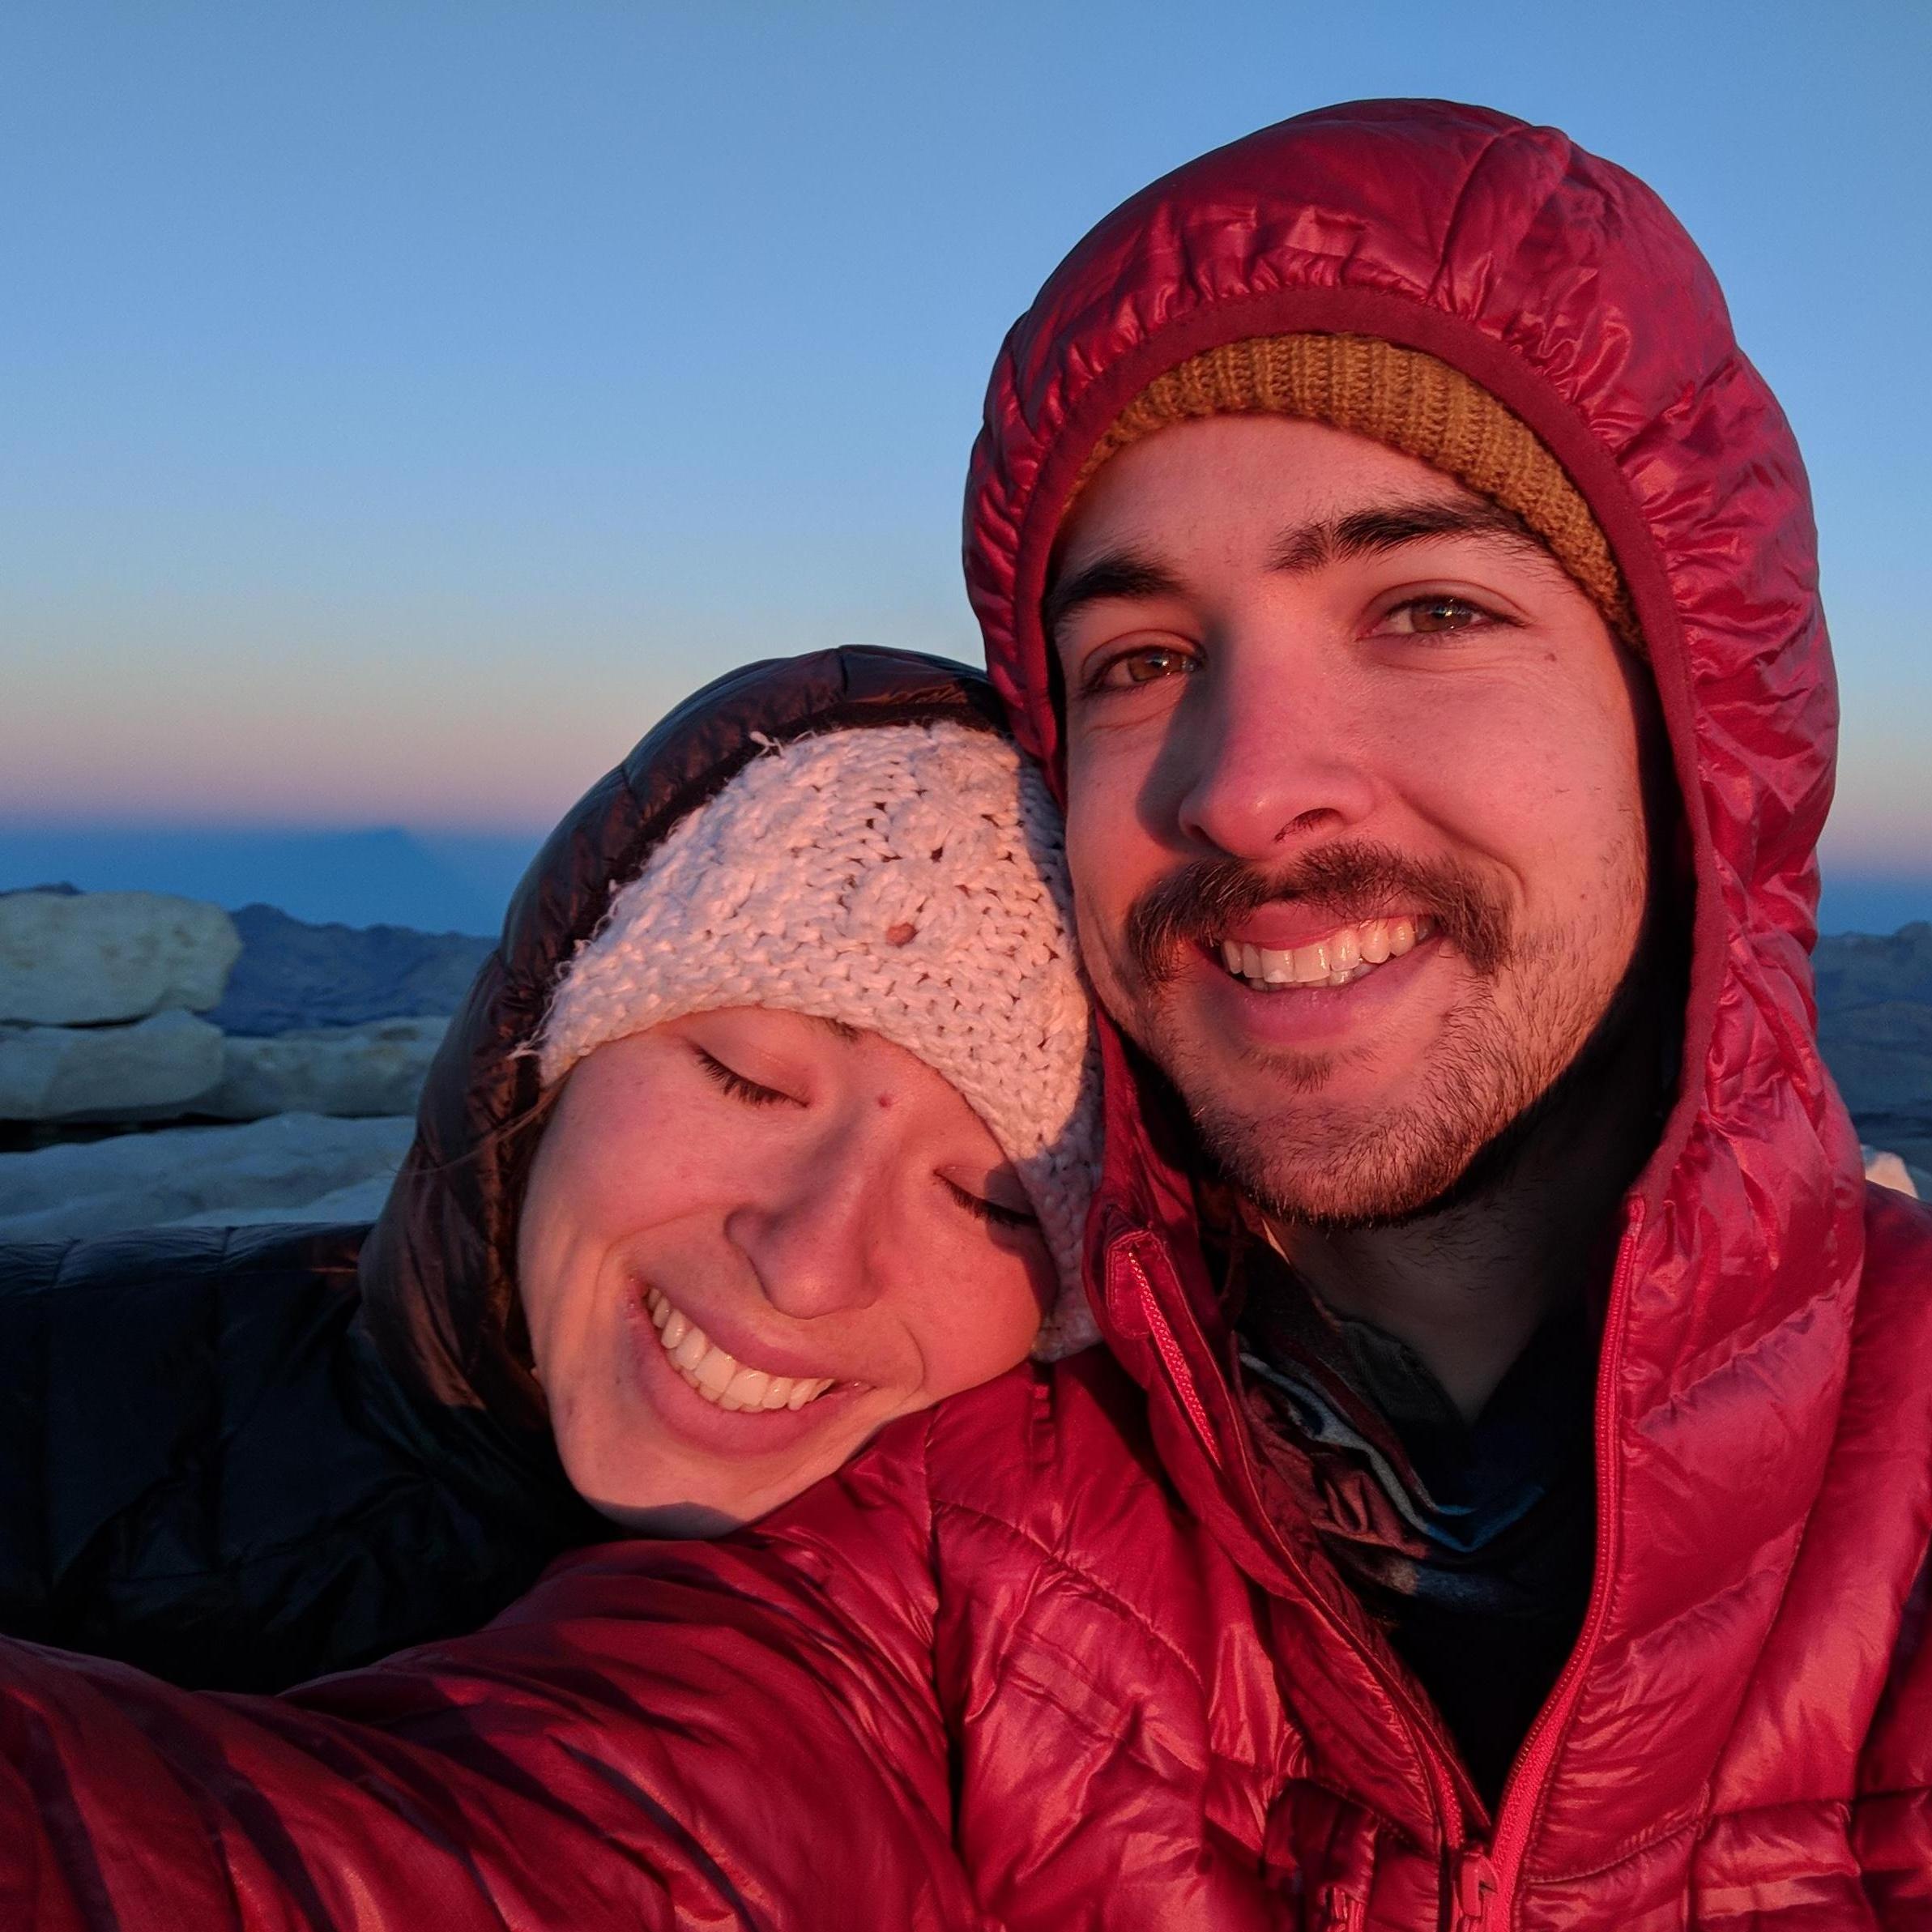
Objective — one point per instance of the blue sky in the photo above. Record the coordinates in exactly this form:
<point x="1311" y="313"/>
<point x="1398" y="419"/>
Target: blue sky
<point x="405" y="401"/>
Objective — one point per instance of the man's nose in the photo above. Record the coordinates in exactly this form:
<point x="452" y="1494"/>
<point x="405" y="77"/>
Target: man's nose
<point x="814" y="1232"/>
<point x="1270" y="755"/>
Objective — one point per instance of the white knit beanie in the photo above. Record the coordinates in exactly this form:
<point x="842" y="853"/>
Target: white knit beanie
<point x="908" y="879"/>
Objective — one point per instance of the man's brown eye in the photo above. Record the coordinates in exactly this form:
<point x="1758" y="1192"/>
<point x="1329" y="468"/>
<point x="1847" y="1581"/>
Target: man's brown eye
<point x="1144" y="667"/>
<point x="1427" y="614"/>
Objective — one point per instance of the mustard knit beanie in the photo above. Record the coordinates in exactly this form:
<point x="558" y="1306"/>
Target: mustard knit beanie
<point x="908" y="880"/>
<point x="1407" y="400"/>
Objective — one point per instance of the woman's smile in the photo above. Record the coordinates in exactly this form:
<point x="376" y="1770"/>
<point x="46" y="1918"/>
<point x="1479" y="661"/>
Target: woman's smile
<point x="759" y="1443"/>
<point x="720" y="1376"/>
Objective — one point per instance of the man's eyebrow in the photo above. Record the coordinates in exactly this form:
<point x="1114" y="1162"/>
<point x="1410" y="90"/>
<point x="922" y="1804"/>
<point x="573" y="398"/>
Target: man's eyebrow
<point x="840" y="1028"/>
<point x="1133" y="575"/>
<point x="1127" y="573"/>
<point x="1386" y="527"/>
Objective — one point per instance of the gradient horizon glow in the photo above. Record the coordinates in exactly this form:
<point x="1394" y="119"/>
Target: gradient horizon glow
<point x="410" y="401"/>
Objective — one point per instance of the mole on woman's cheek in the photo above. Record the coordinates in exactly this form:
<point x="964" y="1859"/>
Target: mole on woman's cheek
<point x="886" y="1100"/>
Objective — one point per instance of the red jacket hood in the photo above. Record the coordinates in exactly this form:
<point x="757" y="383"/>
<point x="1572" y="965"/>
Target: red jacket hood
<point x="1567" y="290"/>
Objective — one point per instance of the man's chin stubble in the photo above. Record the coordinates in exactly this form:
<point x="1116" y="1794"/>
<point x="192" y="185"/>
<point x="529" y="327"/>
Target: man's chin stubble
<point x="1312" y="1160"/>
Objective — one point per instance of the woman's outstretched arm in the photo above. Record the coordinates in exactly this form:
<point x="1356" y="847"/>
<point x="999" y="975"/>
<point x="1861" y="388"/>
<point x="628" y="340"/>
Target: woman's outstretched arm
<point x="736" y="1735"/>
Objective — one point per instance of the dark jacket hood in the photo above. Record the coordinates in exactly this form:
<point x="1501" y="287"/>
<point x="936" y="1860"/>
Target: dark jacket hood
<point x="437" y="1281"/>
<point x="1565" y="288"/>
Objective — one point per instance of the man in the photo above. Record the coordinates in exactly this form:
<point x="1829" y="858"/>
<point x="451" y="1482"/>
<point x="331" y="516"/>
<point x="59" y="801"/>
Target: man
<point x="1522" y="1517"/>
<point x="1378" y="528"/>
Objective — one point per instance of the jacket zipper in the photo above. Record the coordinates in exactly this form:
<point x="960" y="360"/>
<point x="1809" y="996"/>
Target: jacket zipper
<point x="1447" y="1802"/>
<point x="1341" y="1910"/>
<point x="1496" y="1873"/>
<point x="1475" y="1888"/>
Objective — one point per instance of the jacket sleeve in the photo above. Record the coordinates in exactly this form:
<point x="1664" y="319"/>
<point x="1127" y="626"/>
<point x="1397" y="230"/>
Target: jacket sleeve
<point x="736" y="1734"/>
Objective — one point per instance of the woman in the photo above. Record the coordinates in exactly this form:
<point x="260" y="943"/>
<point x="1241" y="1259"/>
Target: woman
<point x="772" y="1118"/>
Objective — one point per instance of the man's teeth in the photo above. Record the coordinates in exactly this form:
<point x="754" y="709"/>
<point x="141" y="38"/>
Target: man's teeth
<point x="1338" y="960"/>
<point x="722" y="1379"/>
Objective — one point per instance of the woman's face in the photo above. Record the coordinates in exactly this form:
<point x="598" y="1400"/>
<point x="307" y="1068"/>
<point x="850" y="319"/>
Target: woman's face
<point x="750" y="1239"/>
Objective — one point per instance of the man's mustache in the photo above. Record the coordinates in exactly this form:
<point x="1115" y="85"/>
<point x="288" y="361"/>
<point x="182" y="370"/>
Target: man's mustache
<point x="1199" y="902"/>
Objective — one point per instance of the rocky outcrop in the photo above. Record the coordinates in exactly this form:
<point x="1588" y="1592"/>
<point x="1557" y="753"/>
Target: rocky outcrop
<point x="279" y="1168"/>
<point x="162" y="1064"/>
<point x="342" y="1070"/>
<point x="79" y="959"/>
<point x="318" y="1019"/>
<point x="294" y="977"/>
<point x="327" y="1105"/>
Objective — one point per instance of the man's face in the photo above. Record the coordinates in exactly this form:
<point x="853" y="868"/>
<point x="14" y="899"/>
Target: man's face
<point x="1355" y="807"/>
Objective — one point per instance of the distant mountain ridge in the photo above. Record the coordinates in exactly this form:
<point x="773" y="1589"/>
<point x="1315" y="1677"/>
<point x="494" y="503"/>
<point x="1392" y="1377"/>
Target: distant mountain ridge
<point x="456" y="882"/>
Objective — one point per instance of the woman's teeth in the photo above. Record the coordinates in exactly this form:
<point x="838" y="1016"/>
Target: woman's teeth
<point x="722" y="1379"/>
<point x="1338" y="960"/>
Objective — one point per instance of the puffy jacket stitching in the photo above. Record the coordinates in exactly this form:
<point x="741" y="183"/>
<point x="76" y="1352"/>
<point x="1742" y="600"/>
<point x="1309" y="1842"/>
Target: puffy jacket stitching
<point x="1793" y="1046"/>
<point x="1087" y="1578"/>
<point x="1694" y="1823"/>
<point x="1832" y="1455"/>
<point x="1892" y="1791"/>
<point x="1699" y="1823"/>
<point x="726" y="1889"/>
<point x="44" y="1578"/>
<point x="1739" y="1347"/>
<point x="1754" y="1675"/>
<point x="1729" y="1814"/>
<point x="346" y="1529"/>
<point x="1446" y="251"/>
<point x="217" y="1475"/>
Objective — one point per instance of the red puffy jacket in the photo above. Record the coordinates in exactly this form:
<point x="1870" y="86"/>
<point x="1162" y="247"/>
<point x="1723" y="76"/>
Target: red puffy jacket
<point x="1039" y="1657"/>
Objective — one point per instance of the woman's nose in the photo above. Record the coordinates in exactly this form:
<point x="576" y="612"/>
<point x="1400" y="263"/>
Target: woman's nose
<point x="814" y="1233"/>
<point x="1268" y="756"/>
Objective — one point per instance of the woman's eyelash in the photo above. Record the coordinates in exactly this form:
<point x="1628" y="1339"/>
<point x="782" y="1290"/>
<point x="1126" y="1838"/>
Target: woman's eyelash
<point x="991" y="1210"/>
<point x="734" y="1083"/>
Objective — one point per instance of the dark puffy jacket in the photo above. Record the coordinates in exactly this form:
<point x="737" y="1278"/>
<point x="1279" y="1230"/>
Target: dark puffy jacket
<point x="241" y="1459"/>
<point x="209" y="1472"/>
<point x="1050" y="1622"/>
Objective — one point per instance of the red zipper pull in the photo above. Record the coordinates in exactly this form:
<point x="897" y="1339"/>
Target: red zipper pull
<point x="1475" y="1889"/>
<point x="1341" y="1910"/>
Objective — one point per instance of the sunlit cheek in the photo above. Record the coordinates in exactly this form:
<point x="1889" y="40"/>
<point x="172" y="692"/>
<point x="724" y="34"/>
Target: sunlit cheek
<point x="989" y="1325"/>
<point x="1110" y="868"/>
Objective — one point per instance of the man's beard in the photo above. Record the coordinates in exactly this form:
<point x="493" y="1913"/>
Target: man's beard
<point x="1301" y="1155"/>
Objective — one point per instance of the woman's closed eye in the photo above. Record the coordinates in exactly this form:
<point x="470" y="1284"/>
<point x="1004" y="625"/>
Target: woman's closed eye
<point x="736" y="1084"/>
<point x="995" y="1212"/>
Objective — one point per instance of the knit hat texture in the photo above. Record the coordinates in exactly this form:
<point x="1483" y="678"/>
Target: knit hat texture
<point x="909" y="880"/>
<point x="1407" y="400"/>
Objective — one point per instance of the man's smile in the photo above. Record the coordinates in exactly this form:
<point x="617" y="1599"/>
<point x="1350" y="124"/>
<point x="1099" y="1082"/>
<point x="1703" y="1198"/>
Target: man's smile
<point x="1338" y="958"/>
